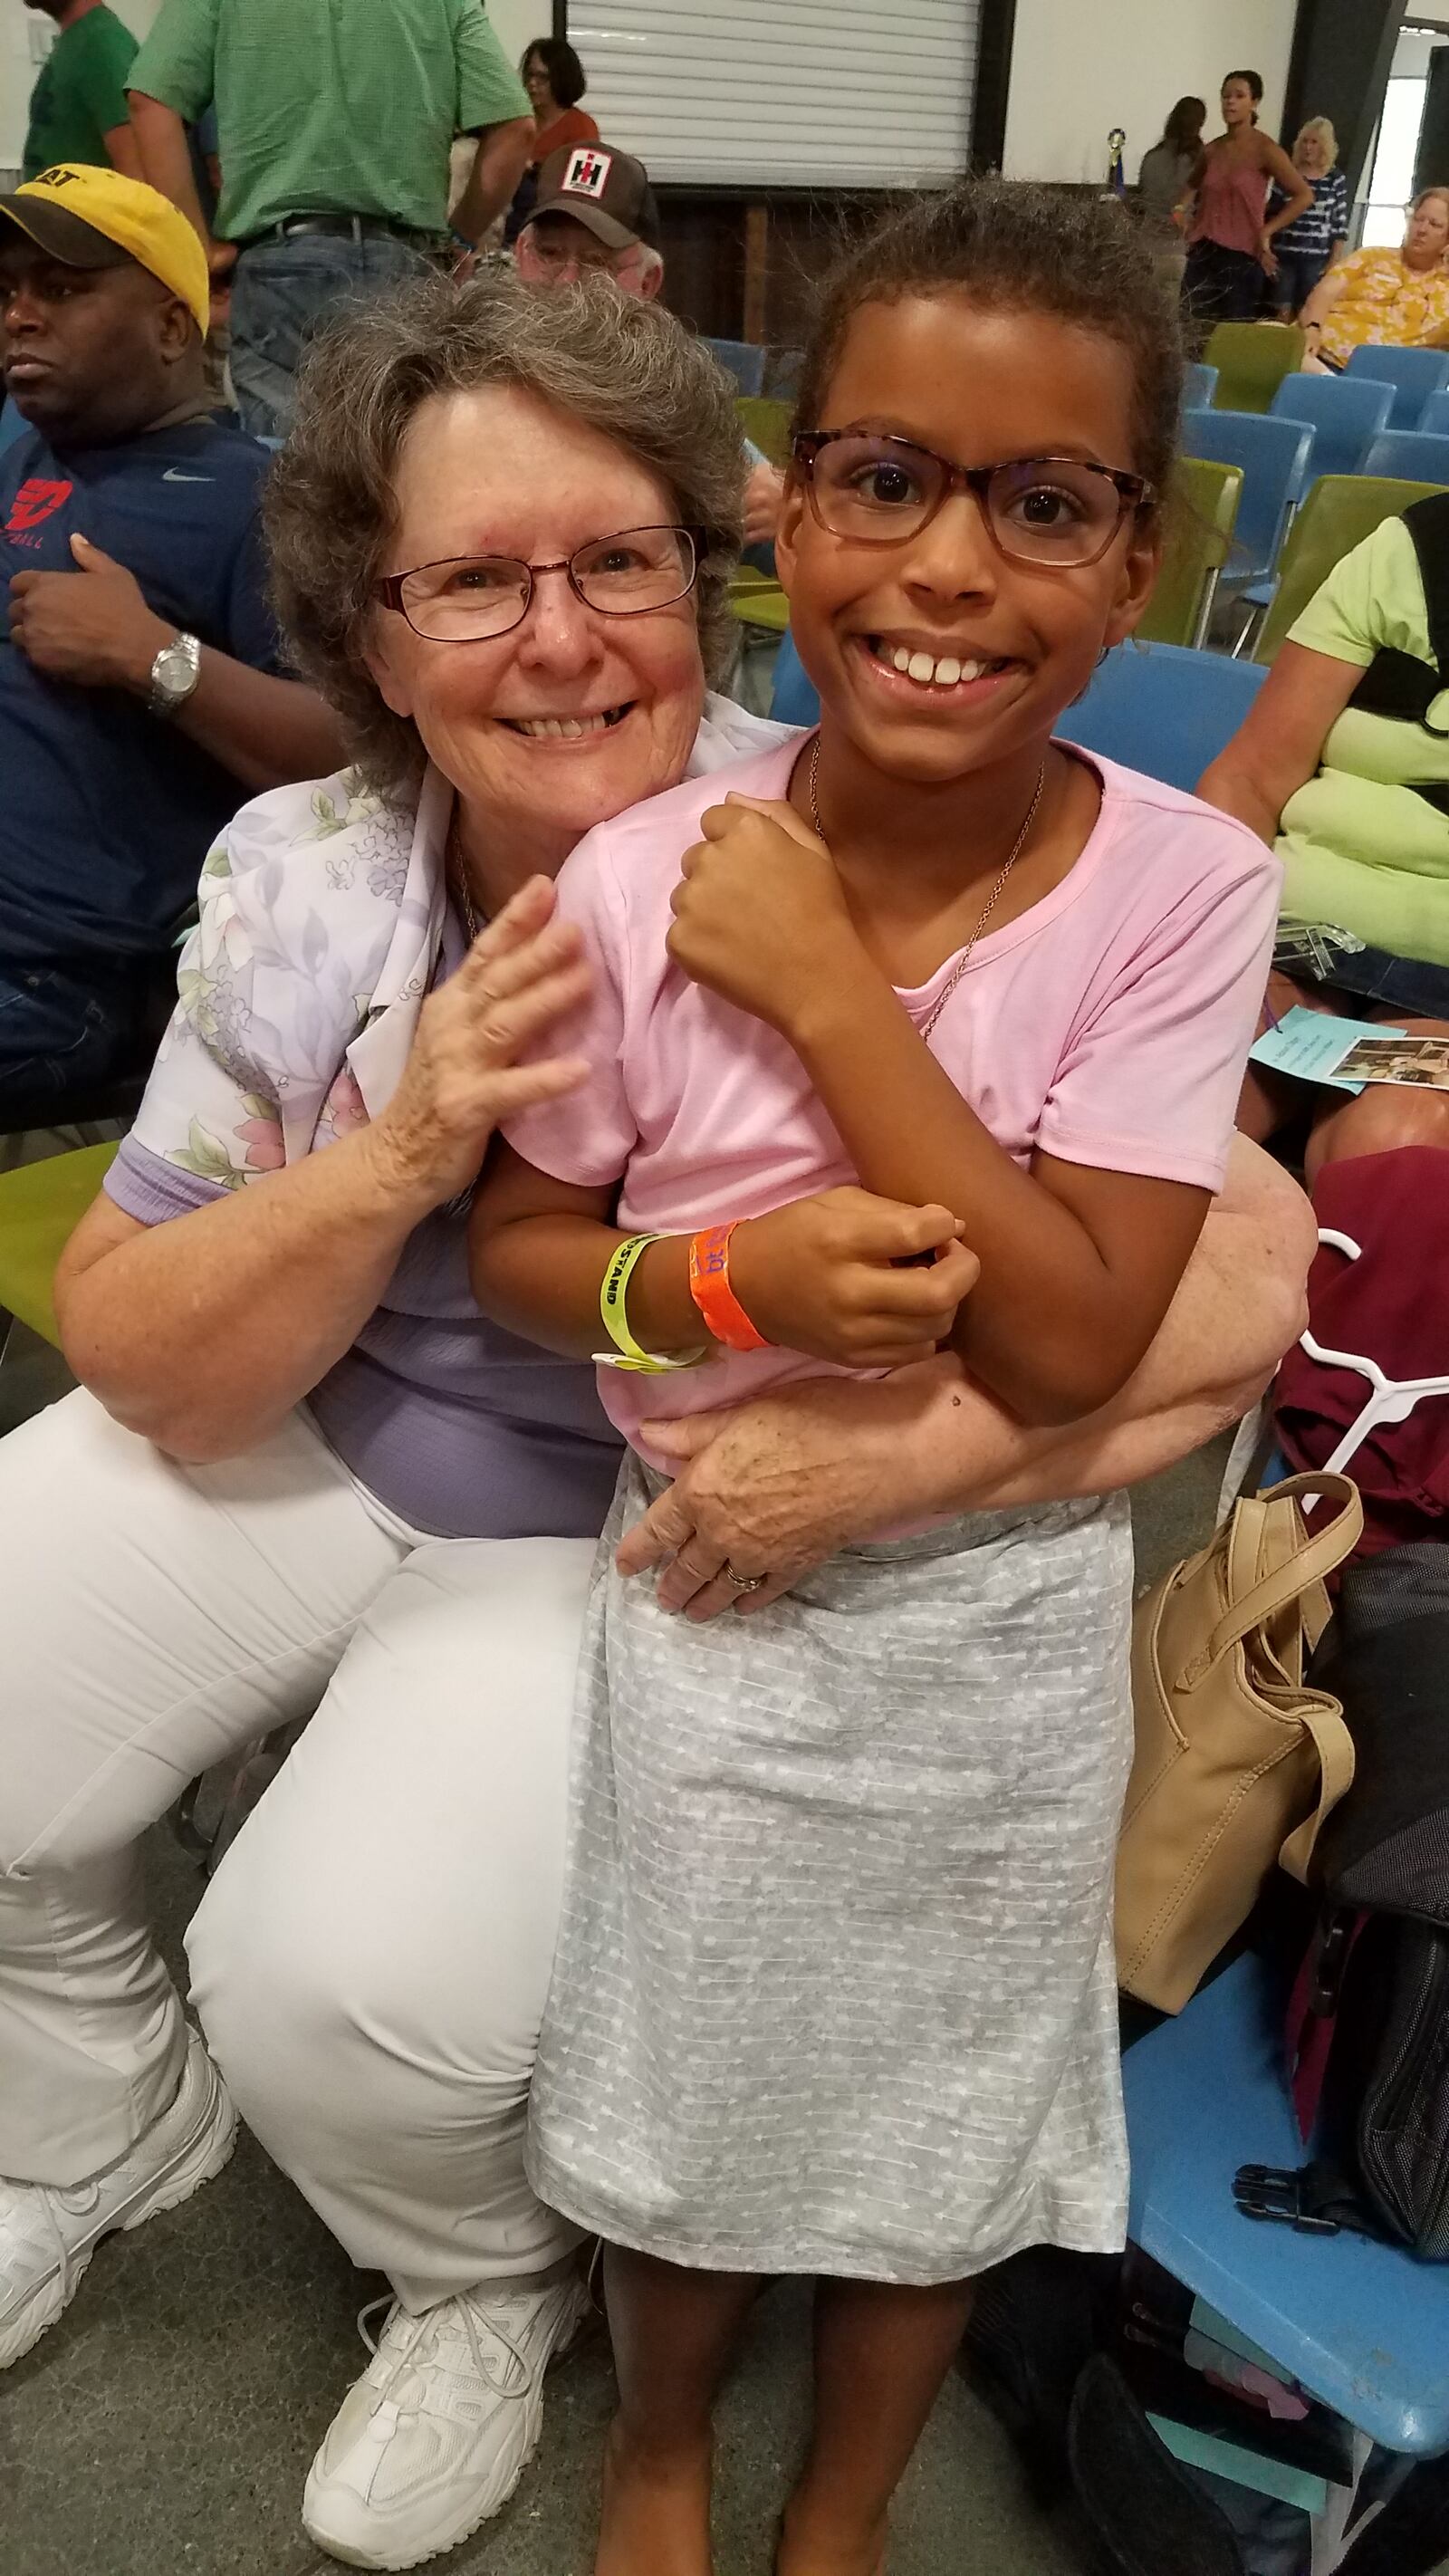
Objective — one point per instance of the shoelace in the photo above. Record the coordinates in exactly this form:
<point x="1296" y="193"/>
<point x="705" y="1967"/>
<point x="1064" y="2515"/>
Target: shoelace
<point x="482" y="2362"/>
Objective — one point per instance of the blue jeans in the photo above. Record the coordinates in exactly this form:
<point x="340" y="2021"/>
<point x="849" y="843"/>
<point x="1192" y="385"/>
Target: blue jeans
<point x="1298" y="273"/>
<point x="1408" y="986"/>
<point x="65" y="1029"/>
<point x="281" y="290"/>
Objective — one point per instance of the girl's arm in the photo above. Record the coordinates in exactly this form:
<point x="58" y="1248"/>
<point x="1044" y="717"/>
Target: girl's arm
<point x="823" y="1274"/>
<point x="1078" y="1264"/>
<point x="1297" y="194"/>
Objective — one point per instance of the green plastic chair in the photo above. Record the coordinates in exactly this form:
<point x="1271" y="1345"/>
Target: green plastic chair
<point x="758" y="601"/>
<point x="1201" y="516"/>
<point x="1339" y="512"/>
<point x="1252" y="359"/>
<point x="41" y="1204"/>
<point x="767" y="422"/>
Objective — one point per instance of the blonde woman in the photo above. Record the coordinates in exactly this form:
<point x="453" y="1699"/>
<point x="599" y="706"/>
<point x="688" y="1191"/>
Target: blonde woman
<point x="1308" y="246"/>
<point x="1397" y="298"/>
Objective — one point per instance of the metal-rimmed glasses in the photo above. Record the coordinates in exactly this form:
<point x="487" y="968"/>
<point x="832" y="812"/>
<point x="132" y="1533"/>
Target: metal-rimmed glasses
<point x="877" y="490"/>
<point x="464" y="598"/>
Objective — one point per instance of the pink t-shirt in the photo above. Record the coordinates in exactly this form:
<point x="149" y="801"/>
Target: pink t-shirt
<point x="1108" y="1025"/>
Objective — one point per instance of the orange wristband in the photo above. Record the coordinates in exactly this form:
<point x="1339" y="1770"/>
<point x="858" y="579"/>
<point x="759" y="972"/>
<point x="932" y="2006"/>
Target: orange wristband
<point x="709" y="1286"/>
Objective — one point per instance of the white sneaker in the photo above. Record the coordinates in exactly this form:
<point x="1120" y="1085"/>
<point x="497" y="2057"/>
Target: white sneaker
<point x="48" y="2233"/>
<point x="435" y="2435"/>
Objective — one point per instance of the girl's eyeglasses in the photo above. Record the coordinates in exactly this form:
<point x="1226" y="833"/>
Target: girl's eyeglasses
<point x="881" y="491"/>
<point x="466" y="598"/>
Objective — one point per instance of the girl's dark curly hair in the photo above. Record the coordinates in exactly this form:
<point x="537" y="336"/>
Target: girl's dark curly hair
<point x="1027" y="249"/>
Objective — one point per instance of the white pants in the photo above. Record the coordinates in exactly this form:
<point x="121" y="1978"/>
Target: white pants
<point x="371" y="1960"/>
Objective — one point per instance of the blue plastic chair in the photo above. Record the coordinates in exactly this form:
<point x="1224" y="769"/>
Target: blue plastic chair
<point x="1276" y="458"/>
<point x="1413" y="373"/>
<point x="1434" y="418"/>
<point x="1345" y="414"/>
<point x="1199" y="385"/>
<point x="1163" y="709"/>
<point x="1160" y="708"/>
<point x="742" y="360"/>
<point x="1364" y="2326"/>
<point x="793" y="700"/>
<point x="1409" y="456"/>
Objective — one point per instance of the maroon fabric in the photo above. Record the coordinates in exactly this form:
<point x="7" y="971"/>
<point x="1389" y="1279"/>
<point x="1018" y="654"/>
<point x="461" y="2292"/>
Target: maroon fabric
<point x="1393" y="1306"/>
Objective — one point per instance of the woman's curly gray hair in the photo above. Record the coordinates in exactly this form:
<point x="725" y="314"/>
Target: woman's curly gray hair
<point x="624" y="367"/>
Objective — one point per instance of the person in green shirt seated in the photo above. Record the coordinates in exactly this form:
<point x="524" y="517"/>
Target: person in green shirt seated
<point x="78" y="104"/>
<point x="335" y="120"/>
<point x="1342" y="766"/>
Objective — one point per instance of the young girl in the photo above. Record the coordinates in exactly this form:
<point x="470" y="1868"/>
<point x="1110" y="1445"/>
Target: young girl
<point x="834" y="1991"/>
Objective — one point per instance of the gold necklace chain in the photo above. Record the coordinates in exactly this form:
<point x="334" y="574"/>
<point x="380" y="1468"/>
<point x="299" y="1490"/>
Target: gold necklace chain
<point x="456" y="875"/>
<point x="1013" y="854"/>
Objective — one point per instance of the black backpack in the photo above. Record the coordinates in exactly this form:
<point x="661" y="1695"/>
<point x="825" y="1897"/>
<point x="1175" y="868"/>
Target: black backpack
<point x="1369" y="2024"/>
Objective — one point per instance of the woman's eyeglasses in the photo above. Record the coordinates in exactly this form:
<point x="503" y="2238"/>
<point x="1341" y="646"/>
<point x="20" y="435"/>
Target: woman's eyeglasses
<point x="466" y="598"/>
<point x="881" y="491"/>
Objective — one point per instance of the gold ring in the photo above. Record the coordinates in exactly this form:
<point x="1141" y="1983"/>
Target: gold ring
<point x="743" y="1582"/>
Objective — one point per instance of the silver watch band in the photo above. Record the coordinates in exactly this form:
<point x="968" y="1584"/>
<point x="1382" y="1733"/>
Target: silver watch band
<point x="174" y="674"/>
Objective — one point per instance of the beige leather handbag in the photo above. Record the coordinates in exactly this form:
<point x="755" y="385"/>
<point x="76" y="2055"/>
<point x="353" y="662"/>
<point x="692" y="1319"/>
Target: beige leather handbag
<point x="1238" y="1763"/>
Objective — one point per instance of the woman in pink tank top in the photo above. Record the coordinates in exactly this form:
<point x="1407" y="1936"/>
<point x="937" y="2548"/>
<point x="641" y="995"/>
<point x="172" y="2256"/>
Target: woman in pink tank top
<point x="1229" y="242"/>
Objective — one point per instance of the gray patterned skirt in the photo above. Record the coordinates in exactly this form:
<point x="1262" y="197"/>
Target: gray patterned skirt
<point x="834" y="1989"/>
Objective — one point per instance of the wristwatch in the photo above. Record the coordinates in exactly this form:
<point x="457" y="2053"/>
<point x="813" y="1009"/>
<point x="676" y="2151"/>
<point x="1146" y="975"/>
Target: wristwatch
<point x="174" y="675"/>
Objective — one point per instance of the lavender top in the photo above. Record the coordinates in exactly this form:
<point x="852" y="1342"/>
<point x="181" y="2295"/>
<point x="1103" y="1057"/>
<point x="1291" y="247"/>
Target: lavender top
<point x="323" y="925"/>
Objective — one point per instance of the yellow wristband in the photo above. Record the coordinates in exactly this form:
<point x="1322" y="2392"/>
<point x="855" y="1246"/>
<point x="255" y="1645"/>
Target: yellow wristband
<point x="614" y="1307"/>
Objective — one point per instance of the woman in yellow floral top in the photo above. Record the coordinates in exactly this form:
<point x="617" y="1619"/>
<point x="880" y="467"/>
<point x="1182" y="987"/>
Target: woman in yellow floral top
<point x="1397" y="298"/>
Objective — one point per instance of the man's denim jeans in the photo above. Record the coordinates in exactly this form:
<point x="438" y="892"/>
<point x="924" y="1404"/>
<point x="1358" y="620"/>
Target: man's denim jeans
<point x="281" y="291"/>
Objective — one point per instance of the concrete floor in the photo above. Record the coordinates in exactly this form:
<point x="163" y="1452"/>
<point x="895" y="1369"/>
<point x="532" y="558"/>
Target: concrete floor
<point x="166" y="2423"/>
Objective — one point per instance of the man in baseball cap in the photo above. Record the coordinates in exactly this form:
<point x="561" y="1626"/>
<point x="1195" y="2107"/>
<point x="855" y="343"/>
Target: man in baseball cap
<point x="141" y="688"/>
<point x="595" y="209"/>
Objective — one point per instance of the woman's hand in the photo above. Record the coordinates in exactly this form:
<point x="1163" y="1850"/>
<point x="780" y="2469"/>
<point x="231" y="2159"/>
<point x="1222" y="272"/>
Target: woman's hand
<point x="842" y="1276"/>
<point x="772" y="1488"/>
<point x="462" y="1077"/>
<point x="759" y="913"/>
<point x="1267" y="256"/>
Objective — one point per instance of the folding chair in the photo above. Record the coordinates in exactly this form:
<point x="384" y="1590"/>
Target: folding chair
<point x="1410" y="455"/>
<point x="1276" y="460"/>
<point x="1345" y="414"/>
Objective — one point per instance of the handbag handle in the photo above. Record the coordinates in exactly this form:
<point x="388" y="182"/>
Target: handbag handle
<point x="1333" y="1744"/>
<point x="1316" y="1555"/>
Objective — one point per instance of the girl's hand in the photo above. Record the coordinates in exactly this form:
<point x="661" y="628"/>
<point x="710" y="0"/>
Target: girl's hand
<point x="462" y="1078"/>
<point x="759" y="913"/>
<point x="823" y="1275"/>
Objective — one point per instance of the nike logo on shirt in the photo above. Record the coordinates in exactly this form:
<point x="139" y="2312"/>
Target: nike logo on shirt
<point x="172" y="475"/>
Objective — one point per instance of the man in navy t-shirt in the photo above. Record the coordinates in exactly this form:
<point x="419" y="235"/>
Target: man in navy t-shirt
<point x="141" y="696"/>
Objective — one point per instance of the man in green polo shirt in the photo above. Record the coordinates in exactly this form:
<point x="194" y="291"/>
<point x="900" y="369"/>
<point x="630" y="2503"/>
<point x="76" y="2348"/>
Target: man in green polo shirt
<point x="335" y="122"/>
<point x="78" y="105"/>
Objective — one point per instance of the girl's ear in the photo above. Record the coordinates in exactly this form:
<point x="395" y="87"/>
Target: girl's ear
<point x="787" y="533"/>
<point x="1141" y="565"/>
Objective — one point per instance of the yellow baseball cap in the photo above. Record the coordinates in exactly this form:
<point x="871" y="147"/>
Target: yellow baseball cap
<point x="90" y="218"/>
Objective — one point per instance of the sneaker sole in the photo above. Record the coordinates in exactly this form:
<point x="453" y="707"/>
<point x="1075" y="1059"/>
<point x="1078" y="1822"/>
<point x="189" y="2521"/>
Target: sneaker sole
<point x="199" y="2160"/>
<point x="588" y="2315"/>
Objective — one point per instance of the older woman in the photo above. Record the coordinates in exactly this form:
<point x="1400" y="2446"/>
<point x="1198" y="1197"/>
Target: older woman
<point x="1310" y="244"/>
<point x="303" y="1474"/>
<point x="1342" y="764"/>
<point x="1399" y="298"/>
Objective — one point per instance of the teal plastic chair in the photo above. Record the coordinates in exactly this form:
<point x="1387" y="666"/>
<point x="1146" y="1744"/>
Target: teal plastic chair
<point x="1409" y="456"/>
<point x="1276" y="460"/>
<point x="1364" y="2326"/>
<point x="1345" y="414"/>
<point x="1413" y="373"/>
<point x="742" y="360"/>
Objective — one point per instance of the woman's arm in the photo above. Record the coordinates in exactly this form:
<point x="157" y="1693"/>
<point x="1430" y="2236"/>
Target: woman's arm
<point x="1279" y="744"/>
<point x="1324" y="297"/>
<point x="201" y="1334"/>
<point x="1298" y="195"/>
<point x="779" y="1484"/>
